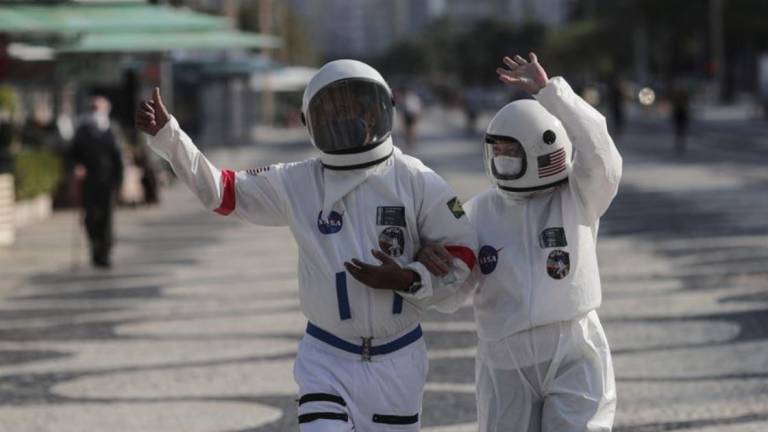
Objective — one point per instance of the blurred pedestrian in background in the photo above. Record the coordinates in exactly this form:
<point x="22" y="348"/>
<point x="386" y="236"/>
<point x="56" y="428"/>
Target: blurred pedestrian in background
<point x="616" y="104"/>
<point x="411" y="109"/>
<point x="470" y="113"/>
<point x="96" y="159"/>
<point x="148" y="175"/>
<point x="681" y="117"/>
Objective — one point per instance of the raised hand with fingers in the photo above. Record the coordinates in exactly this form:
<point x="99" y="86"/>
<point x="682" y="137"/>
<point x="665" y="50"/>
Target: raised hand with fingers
<point x="388" y="275"/>
<point x="523" y="74"/>
<point x="152" y="114"/>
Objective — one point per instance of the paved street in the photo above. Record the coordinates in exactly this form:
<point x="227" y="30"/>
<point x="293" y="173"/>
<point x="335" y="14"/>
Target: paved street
<point x="195" y="329"/>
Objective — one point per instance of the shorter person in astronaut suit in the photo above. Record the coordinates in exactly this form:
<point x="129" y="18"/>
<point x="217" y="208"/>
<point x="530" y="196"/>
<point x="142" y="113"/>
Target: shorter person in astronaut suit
<point x="543" y="361"/>
<point x="362" y="364"/>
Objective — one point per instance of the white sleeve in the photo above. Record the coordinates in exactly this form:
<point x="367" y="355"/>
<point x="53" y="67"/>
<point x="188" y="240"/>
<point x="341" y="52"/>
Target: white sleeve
<point x="442" y="220"/>
<point x="223" y="191"/>
<point x="258" y="201"/>
<point x="597" y="164"/>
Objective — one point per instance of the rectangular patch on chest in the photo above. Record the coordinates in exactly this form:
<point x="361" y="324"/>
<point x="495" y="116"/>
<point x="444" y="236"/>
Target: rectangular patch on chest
<point x="552" y="237"/>
<point x="394" y="216"/>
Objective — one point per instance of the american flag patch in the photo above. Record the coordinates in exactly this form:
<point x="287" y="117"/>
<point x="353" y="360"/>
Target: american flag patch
<point x="552" y="163"/>
<point x="257" y="171"/>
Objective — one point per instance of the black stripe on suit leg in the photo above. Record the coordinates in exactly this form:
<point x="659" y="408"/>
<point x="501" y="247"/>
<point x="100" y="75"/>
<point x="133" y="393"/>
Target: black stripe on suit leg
<point x="395" y="419"/>
<point x="321" y="397"/>
<point x="306" y="418"/>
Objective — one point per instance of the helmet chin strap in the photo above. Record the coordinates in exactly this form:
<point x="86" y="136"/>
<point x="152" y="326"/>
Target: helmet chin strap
<point x="365" y="159"/>
<point x="523" y="194"/>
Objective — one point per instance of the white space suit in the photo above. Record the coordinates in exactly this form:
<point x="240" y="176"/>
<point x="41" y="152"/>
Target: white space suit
<point x="362" y="365"/>
<point x="543" y="361"/>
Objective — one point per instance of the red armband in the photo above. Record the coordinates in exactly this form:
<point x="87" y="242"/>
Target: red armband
<point x="463" y="253"/>
<point x="228" y="195"/>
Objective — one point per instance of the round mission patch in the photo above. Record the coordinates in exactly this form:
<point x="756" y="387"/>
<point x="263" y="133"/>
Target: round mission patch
<point x="331" y="225"/>
<point x="392" y="241"/>
<point x="488" y="257"/>
<point x="558" y="264"/>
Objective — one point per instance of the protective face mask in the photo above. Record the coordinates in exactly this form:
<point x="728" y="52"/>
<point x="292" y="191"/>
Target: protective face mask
<point x="508" y="165"/>
<point x="100" y="120"/>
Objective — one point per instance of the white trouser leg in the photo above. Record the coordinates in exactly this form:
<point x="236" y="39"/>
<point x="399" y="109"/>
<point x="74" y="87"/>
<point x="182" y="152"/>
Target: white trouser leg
<point x="505" y="401"/>
<point x="582" y="395"/>
<point x="321" y="392"/>
<point x="557" y="377"/>
<point x="380" y="395"/>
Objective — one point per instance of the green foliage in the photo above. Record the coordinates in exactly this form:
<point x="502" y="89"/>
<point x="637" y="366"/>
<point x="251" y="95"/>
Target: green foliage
<point x="7" y="107"/>
<point x="481" y="49"/>
<point x="406" y="57"/>
<point x="7" y="99"/>
<point x="448" y="53"/>
<point x="675" y="36"/>
<point x="36" y="172"/>
<point x="298" y="48"/>
<point x="600" y="39"/>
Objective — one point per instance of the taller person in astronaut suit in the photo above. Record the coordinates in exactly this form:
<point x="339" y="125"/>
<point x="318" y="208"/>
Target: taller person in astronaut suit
<point x="362" y="364"/>
<point x="543" y="361"/>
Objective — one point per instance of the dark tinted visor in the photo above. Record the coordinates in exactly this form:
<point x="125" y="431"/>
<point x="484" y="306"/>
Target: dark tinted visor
<point x="350" y="116"/>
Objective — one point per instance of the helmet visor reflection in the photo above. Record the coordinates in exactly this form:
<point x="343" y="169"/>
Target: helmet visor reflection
<point x="350" y="116"/>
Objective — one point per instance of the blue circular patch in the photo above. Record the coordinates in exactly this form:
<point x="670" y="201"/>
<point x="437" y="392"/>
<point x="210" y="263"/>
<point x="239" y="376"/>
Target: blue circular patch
<point x="488" y="257"/>
<point x="331" y="225"/>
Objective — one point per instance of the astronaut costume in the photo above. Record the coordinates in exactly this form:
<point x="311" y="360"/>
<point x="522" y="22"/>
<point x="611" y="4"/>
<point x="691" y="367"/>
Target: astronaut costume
<point x="362" y="364"/>
<point x="543" y="361"/>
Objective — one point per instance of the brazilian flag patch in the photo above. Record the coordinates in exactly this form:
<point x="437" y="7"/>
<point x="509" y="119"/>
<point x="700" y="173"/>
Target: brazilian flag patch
<point x="454" y="205"/>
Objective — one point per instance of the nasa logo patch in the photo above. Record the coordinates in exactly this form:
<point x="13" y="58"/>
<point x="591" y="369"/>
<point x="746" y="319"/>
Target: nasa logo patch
<point x="558" y="264"/>
<point x="488" y="257"/>
<point x="392" y="241"/>
<point x="331" y="225"/>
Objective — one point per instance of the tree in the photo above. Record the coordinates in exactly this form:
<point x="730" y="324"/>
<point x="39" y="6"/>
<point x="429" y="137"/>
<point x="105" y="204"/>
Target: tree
<point x="297" y="46"/>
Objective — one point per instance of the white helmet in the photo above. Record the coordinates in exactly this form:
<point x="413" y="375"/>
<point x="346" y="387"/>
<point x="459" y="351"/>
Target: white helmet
<point x="348" y="110"/>
<point x="526" y="149"/>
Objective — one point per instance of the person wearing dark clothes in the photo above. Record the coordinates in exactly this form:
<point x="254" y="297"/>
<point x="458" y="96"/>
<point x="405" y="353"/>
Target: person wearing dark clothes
<point x="616" y="105"/>
<point x="680" y="116"/>
<point x="148" y="176"/>
<point x="95" y="152"/>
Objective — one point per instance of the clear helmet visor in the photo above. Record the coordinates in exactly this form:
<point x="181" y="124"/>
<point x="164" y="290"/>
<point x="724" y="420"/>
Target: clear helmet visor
<point x="350" y="116"/>
<point x="505" y="157"/>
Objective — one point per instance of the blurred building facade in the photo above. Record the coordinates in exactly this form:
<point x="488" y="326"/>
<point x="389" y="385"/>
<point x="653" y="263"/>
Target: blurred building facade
<point x="57" y="53"/>
<point x="547" y="12"/>
<point x="366" y="28"/>
<point x="54" y="55"/>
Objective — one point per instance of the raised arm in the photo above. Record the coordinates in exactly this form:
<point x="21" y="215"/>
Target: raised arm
<point x="223" y="191"/>
<point x="597" y="164"/>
